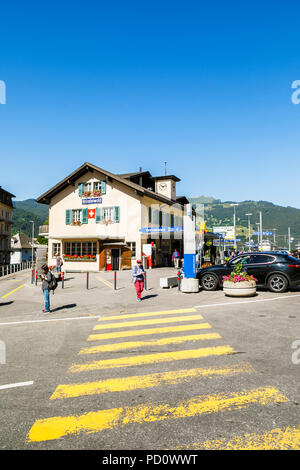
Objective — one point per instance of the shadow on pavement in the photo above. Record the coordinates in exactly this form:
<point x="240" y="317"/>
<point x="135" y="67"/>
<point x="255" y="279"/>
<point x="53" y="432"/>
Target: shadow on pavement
<point x="63" y="307"/>
<point x="149" y="296"/>
<point x="6" y="303"/>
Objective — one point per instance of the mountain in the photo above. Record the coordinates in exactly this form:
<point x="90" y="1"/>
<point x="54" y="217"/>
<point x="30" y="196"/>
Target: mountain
<point x="219" y="213"/>
<point x="24" y="212"/>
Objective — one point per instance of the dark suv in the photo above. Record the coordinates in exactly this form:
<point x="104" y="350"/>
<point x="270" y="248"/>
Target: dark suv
<point x="276" y="271"/>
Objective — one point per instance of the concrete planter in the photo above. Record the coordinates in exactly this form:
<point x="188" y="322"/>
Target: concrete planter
<point x="239" y="289"/>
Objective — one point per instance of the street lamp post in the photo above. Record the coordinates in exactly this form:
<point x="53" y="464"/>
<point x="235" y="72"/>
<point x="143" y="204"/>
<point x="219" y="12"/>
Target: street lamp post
<point x="274" y="230"/>
<point x="32" y="242"/>
<point x="234" y="224"/>
<point x="258" y="233"/>
<point x="249" y="215"/>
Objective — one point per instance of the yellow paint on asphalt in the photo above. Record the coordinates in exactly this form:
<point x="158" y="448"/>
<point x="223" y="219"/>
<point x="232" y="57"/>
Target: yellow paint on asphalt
<point x="122" y="384"/>
<point x="150" y="331"/>
<point x="95" y="421"/>
<point x="107" y="283"/>
<point x="148" y="314"/>
<point x="11" y="292"/>
<point x="143" y="344"/>
<point x="151" y="358"/>
<point x="276" y="439"/>
<point x="148" y="322"/>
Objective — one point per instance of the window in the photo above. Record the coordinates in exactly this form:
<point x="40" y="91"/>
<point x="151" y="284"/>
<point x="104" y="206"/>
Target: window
<point x="133" y="249"/>
<point x="97" y="186"/>
<point x="261" y="259"/>
<point x="108" y="213"/>
<point x="56" y="249"/>
<point x="76" y="215"/>
<point x="87" y="187"/>
<point x="80" y="248"/>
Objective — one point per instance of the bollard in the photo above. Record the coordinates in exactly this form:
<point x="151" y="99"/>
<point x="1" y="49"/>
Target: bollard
<point x="115" y="280"/>
<point x="179" y="280"/>
<point x="62" y="280"/>
<point x="32" y="275"/>
<point x="145" y="281"/>
<point x="36" y="276"/>
<point x="87" y="280"/>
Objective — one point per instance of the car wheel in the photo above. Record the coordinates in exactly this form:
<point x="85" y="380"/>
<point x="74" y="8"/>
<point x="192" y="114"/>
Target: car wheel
<point x="209" y="282"/>
<point x="277" y="283"/>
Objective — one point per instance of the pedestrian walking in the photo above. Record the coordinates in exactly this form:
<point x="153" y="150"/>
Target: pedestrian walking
<point x="46" y="277"/>
<point x="59" y="263"/>
<point x="175" y="258"/>
<point x="138" y="275"/>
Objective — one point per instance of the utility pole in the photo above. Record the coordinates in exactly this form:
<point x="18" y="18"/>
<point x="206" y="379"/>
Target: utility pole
<point x="274" y="230"/>
<point x="260" y="228"/>
<point x="289" y="235"/>
<point x="234" y="224"/>
<point x="32" y="241"/>
<point x="249" y="215"/>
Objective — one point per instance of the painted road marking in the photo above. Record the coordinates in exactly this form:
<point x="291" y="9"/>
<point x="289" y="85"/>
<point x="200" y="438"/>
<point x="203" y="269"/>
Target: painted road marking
<point x="143" y="344"/>
<point x="19" y="384"/>
<point x="147" y="322"/>
<point x="122" y="384"/>
<point x="152" y="358"/>
<point x="11" y="292"/>
<point x="148" y="314"/>
<point x="276" y="439"/>
<point x="225" y="304"/>
<point x="59" y="426"/>
<point x="149" y="331"/>
<point x="107" y="283"/>
<point x="89" y="317"/>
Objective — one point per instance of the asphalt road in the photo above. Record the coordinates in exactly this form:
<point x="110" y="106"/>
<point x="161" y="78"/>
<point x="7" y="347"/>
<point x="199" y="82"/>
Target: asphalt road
<point x="176" y="371"/>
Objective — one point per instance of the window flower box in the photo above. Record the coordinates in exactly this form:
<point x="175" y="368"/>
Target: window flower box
<point x="80" y="258"/>
<point x="76" y="222"/>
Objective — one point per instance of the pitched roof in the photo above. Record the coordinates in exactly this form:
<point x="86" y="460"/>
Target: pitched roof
<point x="86" y="167"/>
<point x="20" y="241"/>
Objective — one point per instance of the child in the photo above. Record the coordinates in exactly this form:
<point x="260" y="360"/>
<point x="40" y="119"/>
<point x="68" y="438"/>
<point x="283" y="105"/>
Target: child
<point x="138" y="275"/>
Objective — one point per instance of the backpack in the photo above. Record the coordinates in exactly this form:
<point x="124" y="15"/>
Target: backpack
<point x="53" y="283"/>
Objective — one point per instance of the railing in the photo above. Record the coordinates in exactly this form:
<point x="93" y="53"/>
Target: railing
<point x="43" y="229"/>
<point x="7" y="269"/>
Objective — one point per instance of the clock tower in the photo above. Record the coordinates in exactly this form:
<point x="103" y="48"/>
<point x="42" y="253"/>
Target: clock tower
<point x="166" y="186"/>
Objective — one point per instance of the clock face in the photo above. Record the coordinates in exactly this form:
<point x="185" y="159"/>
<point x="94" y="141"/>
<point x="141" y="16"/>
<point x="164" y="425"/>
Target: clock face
<point x="162" y="186"/>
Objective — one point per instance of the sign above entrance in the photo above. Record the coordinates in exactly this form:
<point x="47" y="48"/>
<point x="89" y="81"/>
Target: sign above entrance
<point x="92" y="200"/>
<point x="160" y="229"/>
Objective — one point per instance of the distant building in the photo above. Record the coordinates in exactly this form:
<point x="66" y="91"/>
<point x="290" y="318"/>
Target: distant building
<point x="104" y="221"/>
<point x="6" y="220"/>
<point x="21" y="248"/>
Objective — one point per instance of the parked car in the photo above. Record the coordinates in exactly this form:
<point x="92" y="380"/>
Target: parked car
<point x="273" y="270"/>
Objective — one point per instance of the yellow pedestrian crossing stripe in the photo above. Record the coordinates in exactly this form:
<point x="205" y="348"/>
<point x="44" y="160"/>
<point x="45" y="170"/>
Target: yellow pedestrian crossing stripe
<point x="184" y="320"/>
<point x="150" y="331"/>
<point x="147" y="314"/>
<point x="95" y="421"/>
<point x="148" y="322"/>
<point x="122" y="384"/>
<point x="151" y="358"/>
<point x="276" y="439"/>
<point x="143" y="344"/>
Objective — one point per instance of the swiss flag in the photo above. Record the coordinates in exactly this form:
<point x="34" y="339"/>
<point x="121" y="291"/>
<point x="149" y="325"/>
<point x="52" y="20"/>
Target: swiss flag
<point x="91" y="213"/>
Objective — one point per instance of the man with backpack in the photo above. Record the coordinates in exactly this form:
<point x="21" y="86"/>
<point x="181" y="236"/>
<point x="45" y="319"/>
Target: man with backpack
<point x="49" y="283"/>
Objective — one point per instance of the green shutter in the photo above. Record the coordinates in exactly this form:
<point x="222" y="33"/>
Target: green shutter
<point x="103" y="187"/>
<point x="84" y="219"/>
<point x="150" y="215"/>
<point x="117" y="214"/>
<point x="98" y="214"/>
<point x="68" y="217"/>
<point x="80" y="189"/>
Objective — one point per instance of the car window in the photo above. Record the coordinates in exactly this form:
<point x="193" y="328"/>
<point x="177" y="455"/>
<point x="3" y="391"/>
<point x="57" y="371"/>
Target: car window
<point x="243" y="259"/>
<point x="261" y="259"/>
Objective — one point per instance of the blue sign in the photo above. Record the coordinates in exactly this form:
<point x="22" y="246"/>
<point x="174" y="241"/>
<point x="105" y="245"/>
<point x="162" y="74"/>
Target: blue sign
<point x="160" y="229"/>
<point x="264" y="233"/>
<point x="92" y="200"/>
<point x="190" y="265"/>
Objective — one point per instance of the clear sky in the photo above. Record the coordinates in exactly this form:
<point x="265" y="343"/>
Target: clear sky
<point x="205" y="86"/>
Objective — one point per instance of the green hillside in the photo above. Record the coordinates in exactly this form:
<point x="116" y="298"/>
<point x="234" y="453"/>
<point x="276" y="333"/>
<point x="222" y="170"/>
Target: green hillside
<point x="273" y="216"/>
<point x="24" y="212"/>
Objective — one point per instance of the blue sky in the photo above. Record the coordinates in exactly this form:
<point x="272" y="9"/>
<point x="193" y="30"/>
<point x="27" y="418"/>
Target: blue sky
<point x="205" y="86"/>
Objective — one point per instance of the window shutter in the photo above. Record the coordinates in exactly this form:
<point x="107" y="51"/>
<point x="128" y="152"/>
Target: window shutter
<point x="80" y="189"/>
<point x="68" y="217"/>
<point x="150" y="214"/>
<point x="98" y="214"/>
<point x="103" y="187"/>
<point x="117" y="214"/>
<point x="84" y="219"/>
